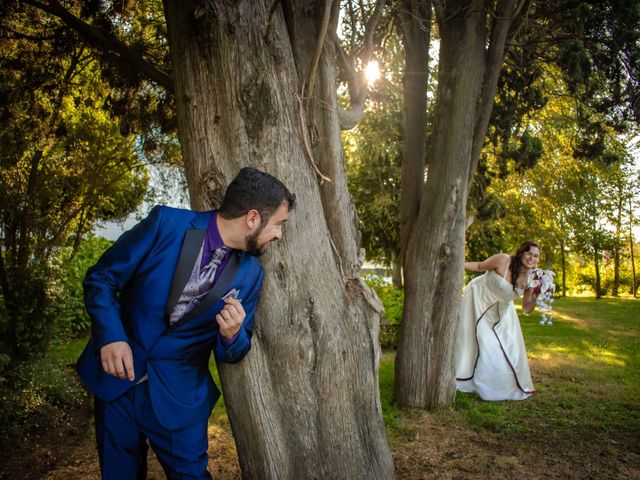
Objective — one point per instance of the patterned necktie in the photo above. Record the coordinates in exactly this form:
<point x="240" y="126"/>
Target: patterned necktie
<point x="208" y="273"/>
<point x="198" y="285"/>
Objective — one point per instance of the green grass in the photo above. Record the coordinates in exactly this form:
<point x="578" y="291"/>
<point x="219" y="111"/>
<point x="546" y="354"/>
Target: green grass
<point x="390" y="411"/>
<point x="66" y="351"/>
<point x="586" y="370"/>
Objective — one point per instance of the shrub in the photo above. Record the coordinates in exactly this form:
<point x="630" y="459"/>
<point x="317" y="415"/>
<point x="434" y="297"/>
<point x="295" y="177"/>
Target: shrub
<point x="73" y="317"/>
<point x="392" y="299"/>
<point x="34" y="396"/>
<point x="26" y="321"/>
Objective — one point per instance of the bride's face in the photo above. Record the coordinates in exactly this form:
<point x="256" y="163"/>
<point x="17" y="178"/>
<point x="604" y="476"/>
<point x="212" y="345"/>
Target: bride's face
<point x="531" y="257"/>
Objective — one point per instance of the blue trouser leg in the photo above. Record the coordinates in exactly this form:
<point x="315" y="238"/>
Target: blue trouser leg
<point x="122" y="448"/>
<point x="182" y="453"/>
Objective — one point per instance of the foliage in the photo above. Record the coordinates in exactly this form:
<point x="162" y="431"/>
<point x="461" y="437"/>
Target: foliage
<point x="373" y="151"/>
<point x="600" y="60"/>
<point x="39" y="395"/>
<point x="568" y="202"/>
<point x="65" y="163"/>
<point x="392" y="299"/>
<point x="73" y="317"/>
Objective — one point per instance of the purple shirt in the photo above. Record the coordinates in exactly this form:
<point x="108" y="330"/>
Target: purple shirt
<point x="213" y="241"/>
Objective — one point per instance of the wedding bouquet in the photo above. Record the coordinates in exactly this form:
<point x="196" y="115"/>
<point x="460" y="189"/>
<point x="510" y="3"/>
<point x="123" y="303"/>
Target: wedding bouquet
<point x="542" y="283"/>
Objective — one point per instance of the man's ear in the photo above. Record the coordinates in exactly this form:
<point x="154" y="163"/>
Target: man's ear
<point x="253" y="219"/>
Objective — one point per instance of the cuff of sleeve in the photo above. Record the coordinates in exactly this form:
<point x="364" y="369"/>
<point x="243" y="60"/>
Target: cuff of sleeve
<point x="234" y="352"/>
<point x="100" y="341"/>
<point x="227" y="342"/>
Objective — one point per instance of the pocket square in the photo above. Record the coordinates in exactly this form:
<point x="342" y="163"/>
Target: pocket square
<point x="234" y="292"/>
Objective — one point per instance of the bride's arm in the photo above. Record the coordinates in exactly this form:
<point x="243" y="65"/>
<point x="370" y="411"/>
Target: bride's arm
<point x="529" y="300"/>
<point x="498" y="262"/>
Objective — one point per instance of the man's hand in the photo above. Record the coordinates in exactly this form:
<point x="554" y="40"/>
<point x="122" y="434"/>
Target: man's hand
<point x="117" y="360"/>
<point x="230" y="318"/>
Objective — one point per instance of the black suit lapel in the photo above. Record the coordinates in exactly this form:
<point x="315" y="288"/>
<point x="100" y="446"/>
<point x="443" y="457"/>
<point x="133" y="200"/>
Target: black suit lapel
<point x="190" y="249"/>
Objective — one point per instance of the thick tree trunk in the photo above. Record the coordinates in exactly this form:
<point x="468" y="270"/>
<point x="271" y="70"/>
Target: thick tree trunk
<point x="324" y="133"/>
<point x="433" y="276"/>
<point x="304" y="403"/>
<point x="472" y="46"/>
<point x="415" y="27"/>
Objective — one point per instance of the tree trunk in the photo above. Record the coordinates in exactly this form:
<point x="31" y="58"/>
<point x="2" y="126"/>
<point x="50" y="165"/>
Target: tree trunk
<point x="433" y="270"/>
<point x="305" y="402"/>
<point x="617" y="246"/>
<point x="634" y="284"/>
<point x="415" y="29"/>
<point x="596" y="261"/>
<point x="472" y="43"/>
<point x="396" y="272"/>
<point x="564" y="270"/>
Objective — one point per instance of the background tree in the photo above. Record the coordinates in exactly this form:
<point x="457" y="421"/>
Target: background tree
<point x="589" y="41"/>
<point x="472" y="35"/>
<point x="64" y="165"/>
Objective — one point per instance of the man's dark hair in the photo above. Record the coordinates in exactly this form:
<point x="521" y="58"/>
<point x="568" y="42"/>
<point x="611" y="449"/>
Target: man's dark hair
<point x="253" y="189"/>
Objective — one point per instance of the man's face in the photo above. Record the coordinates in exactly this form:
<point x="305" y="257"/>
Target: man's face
<point x="265" y="233"/>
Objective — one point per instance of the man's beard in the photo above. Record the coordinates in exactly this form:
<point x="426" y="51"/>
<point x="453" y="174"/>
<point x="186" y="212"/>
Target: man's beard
<point x="251" y="244"/>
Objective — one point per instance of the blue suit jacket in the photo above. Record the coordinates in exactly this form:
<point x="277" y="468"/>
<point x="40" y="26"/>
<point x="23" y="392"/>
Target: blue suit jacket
<point x="129" y="294"/>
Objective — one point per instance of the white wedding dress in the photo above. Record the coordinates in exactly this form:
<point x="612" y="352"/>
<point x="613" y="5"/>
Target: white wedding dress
<point x="490" y="355"/>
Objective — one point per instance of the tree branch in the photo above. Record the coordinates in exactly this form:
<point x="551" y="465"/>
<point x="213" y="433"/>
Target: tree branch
<point x="357" y="92"/>
<point x="369" y="31"/>
<point x="305" y="139"/>
<point x="120" y="50"/>
<point x="23" y="36"/>
<point x="326" y="15"/>
<point x="357" y="86"/>
<point x="493" y="65"/>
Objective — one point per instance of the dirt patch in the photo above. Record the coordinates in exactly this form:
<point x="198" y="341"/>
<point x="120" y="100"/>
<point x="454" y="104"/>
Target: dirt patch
<point x="432" y="445"/>
<point x="434" y="449"/>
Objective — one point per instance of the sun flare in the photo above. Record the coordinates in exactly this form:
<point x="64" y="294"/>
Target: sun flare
<point x="372" y="71"/>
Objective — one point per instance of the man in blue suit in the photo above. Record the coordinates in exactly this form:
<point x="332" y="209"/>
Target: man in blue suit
<point x="169" y="291"/>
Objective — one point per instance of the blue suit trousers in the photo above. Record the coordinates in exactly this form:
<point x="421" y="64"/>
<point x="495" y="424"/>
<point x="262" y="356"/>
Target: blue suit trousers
<point x="126" y="426"/>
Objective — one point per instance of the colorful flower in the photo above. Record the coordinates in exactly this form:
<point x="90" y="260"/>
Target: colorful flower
<point x="542" y="283"/>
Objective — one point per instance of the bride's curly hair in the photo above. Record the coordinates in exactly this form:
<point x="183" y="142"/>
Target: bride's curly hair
<point x="516" y="260"/>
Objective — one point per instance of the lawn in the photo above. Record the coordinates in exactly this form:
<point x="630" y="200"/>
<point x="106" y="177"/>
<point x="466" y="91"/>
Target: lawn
<point x="583" y="422"/>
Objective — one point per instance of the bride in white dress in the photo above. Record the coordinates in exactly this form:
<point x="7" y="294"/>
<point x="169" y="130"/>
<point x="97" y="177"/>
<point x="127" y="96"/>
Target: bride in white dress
<point x="490" y="355"/>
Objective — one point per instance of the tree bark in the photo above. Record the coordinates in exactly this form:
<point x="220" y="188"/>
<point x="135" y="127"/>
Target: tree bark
<point x="326" y="141"/>
<point x="415" y="28"/>
<point x="396" y="272"/>
<point x="564" y="270"/>
<point x="304" y="403"/>
<point x="472" y="49"/>
<point x="596" y="261"/>
<point x="433" y="277"/>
